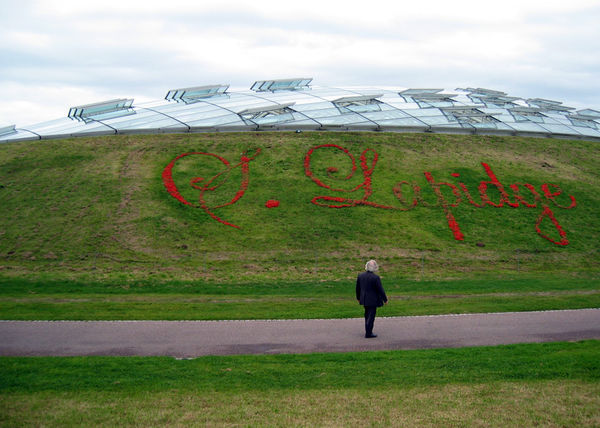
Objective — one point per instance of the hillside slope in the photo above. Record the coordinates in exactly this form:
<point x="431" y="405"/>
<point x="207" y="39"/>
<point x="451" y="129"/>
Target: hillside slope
<point x="245" y="207"/>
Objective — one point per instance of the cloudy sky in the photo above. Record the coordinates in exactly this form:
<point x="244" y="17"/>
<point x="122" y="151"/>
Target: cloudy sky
<point x="57" y="54"/>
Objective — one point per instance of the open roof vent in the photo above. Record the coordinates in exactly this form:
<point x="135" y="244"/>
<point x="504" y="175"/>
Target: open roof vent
<point x="428" y="97"/>
<point x="469" y="115"/>
<point x="102" y="110"/>
<point x="281" y="84"/>
<point x="262" y="112"/>
<point x="586" y="118"/>
<point x="548" y="105"/>
<point x="589" y="113"/>
<point x="483" y="91"/>
<point x="501" y="101"/>
<point x="268" y="115"/>
<point x="358" y="104"/>
<point x="196" y="93"/>
<point x="412" y="92"/>
<point x="5" y="130"/>
<point x="525" y="114"/>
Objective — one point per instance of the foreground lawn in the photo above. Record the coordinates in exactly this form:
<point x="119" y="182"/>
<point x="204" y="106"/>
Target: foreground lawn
<point x="553" y="384"/>
<point x="517" y="403"/>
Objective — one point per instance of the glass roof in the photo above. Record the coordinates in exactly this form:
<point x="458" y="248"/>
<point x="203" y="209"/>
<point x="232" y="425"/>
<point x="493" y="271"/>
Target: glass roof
<point x="295" y="104"/>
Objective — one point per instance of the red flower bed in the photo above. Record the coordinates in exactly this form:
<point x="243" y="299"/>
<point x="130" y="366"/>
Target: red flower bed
<point x="517" y="200"/>
<point x="510" y="196"/>
<point x="211" y="184"/>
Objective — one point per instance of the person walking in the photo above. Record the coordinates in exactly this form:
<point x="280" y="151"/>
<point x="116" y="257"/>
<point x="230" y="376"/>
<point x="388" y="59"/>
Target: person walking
<point x="370" y="294"/>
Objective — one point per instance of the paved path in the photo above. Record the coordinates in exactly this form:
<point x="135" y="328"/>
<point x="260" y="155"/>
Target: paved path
<point x="194" y="338"/>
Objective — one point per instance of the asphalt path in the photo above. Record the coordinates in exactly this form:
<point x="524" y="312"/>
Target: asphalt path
<point x="187" y="339"/>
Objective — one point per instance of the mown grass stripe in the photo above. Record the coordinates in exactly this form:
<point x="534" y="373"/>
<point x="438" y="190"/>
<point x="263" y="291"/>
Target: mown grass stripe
<point x="563" y="360"/>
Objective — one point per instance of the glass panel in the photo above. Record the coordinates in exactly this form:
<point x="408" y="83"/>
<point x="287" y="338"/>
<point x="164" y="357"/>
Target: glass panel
<point x="344" y="119"/>
<point x="440" y="103"/>
<point x="554" y="119"/>
<point x="384" y="115"/>
<point x="144" y="120"/>
<point x="431" y="116"/>
<point x="448" y="125"/>
<point x="328" y="112"/>
<point x="501" y="115"/>
<point x="242" y="104"/>
<point x="19" y="135"/>
<point x="484" y="125"/>
<point x="299" y="120"/>
<point x="528" y="127"/>
<point x="503" y="126"/>
<point x="370" y="90"/>
<point x="217" y="121"/>
<point x="289" y="97"/>
<point x="305" y="108"/>
<point x="68" y="126"/>
<point x="361" y="108"/>
<point x="409" y="121"/>
<point x="528" y="118"/>
<point x="206" y="115"/>
<point x="175" y="109"/>
<point x="589" y="132"/>
<point x="561" y="129"/>
<point x="331" y="94"/>
<point x="401" y="104"/>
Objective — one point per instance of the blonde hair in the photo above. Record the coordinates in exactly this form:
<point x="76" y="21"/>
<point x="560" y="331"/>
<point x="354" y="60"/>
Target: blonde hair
<point x="371" y="266"/>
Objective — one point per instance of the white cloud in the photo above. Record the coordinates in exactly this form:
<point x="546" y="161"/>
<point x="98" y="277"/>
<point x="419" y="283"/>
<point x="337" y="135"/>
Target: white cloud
<point x="61" y="53"/>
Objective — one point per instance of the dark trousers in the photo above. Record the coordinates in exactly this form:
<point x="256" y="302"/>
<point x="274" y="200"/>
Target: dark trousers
<point x="370" y="312"/>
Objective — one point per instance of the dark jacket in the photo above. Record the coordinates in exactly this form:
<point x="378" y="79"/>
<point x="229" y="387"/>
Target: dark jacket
<point x="369" y="290"/>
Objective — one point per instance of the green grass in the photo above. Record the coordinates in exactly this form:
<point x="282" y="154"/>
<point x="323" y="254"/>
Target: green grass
<point x="96" y="208"/>
<point x="186" y="308"/>
<point x="516" y="385"/>
<point x="89" y="231"/>
<point x="30" y="300"/>
<point x="503" y="404"/>
<point x="578" y="360"/>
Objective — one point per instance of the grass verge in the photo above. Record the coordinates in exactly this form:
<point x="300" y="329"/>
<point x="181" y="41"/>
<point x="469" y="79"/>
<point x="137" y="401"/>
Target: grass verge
<point x="52" y="300"/>
<point x="517" y="385"/>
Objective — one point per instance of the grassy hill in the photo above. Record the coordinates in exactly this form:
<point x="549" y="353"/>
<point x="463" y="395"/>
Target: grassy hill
<point x="244" y="208"/>
<point x="70" y="206"/>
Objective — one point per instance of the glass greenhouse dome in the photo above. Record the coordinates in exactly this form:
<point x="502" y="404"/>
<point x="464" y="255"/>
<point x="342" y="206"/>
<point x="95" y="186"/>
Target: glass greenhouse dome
<point x="294" y="104"/>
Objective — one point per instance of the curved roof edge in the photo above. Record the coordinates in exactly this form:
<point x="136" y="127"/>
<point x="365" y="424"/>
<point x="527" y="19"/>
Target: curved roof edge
<point x="295" y="105"/>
